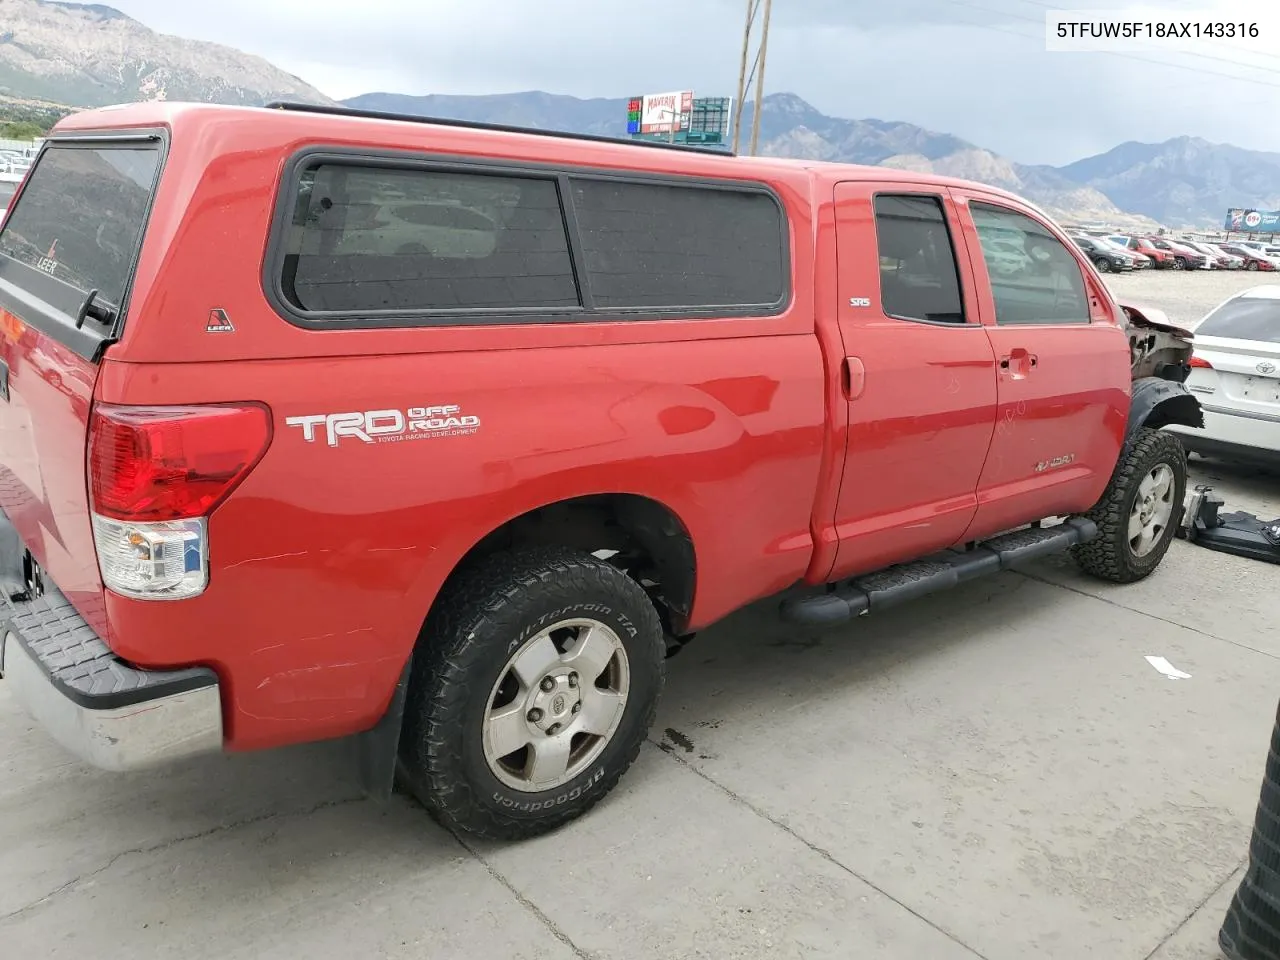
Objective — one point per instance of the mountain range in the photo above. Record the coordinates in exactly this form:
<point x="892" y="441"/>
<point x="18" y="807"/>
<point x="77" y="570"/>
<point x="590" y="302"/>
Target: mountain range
<point x="86" y="55"/>
<point x="90" y="55"/>
<point x="790" y="127"/>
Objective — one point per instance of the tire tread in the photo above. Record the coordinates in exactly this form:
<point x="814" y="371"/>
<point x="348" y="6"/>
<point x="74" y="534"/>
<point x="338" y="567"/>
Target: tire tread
<point x="443" y="679"/>
<point x="1107" y="556"/>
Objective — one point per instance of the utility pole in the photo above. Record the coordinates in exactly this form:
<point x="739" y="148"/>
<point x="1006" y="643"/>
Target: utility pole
<point x="742" y="73"/>
<point x="764" y="50"/>
<point x="756" y="72"/>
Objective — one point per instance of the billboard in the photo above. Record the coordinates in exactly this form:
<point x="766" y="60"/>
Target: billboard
<point x="701" y="121"/>
<point x="1244" y="220"/>
<point x="659" y="113"/>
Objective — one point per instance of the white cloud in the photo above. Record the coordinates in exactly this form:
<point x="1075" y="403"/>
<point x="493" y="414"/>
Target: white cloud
<point x="975" y="68"/>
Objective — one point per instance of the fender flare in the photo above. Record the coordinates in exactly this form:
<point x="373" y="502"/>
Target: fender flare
<point x="1156" y="403"/>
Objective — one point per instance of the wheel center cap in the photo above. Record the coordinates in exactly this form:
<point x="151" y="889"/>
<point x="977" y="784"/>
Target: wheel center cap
<point x="554" y="703"/>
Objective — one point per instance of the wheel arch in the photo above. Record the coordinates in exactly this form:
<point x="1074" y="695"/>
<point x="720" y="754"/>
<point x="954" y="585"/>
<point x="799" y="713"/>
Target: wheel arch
<point x="1158" y="403"/>
<point x="643" y="535"/>
<point x="646" y="537"/>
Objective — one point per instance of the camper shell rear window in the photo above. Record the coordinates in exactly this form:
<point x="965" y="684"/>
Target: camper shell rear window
<point x="81" y="216"/>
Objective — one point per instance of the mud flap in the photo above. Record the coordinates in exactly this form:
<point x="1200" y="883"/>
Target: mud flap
<point x="1239" y="533"/>
<point x="378" y="748"/>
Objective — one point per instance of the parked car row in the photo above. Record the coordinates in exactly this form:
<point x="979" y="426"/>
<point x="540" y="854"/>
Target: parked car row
<point x="1117" y="252"/>
<point x="8" y="187"/>
<point x="12" y="162"/>
<point x="1254" y="254"/>
<point x="13" y="167"/>
<point x="1110" y="256"/>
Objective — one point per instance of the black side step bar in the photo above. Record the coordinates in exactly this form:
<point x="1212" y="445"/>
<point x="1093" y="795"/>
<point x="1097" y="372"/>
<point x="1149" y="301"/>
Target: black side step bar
<point x="894" y="585"/>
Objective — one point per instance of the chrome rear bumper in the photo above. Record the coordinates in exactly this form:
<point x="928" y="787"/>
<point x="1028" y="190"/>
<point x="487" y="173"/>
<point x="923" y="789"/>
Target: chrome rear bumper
<point x="101" y="709"/>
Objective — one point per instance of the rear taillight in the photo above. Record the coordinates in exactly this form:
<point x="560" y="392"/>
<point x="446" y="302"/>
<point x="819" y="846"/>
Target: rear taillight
<point x="155" y="475"/>
<point x="1199" y="363"/>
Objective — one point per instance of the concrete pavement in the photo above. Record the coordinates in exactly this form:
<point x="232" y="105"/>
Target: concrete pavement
<point x="995" y="772"/>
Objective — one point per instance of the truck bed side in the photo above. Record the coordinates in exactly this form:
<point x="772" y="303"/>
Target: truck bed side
<point x="325" y="560"/>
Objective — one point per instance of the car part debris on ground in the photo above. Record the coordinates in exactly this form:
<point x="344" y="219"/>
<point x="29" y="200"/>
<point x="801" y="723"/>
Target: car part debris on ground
<point x="1239" y="533"/>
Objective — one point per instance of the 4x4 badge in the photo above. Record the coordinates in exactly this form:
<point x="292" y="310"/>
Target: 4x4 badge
<point x="219" y="322"/>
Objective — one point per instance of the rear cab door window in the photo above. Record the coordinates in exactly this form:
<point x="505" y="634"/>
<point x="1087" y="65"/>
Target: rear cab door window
<point x="919" y="275"/>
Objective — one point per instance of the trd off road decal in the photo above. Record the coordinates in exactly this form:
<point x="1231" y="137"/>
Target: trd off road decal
<point x="387" y="426"/>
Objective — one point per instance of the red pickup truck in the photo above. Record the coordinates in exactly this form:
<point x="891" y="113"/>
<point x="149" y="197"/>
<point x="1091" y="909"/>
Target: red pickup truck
<point x="317" y="423"/>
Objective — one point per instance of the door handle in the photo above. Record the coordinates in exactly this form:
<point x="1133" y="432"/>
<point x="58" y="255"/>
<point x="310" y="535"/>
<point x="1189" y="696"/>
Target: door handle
<point x="853" y="377"/>
<point x="1018" y="362"/>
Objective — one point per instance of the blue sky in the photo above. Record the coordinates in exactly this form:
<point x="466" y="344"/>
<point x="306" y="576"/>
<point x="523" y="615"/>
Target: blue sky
<point x="975" y="68"/>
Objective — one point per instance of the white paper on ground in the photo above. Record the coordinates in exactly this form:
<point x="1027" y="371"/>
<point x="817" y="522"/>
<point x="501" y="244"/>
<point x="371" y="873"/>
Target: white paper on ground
<point x="1168" y="669"/>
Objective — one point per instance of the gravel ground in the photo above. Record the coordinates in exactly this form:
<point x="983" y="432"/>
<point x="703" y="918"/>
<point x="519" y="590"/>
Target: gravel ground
<point x="1183" y="296"/>
<point x="995" y="773"/>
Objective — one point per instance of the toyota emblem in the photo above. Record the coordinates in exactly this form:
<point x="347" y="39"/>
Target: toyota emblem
<point x="1266" y="366"/>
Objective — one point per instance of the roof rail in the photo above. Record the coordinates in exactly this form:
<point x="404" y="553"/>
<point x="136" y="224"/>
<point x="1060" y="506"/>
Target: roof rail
<point x="500" y="127"/>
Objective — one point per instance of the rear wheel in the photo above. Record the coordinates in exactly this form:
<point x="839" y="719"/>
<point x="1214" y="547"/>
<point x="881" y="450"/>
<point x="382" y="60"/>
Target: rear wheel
<point x="1139" y="511"/>
<point x="534" y="686"/>
<point x="1252" y="265"/>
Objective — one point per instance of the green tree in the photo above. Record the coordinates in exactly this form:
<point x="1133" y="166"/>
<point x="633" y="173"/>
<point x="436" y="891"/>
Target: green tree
<point x="21" y="130"/>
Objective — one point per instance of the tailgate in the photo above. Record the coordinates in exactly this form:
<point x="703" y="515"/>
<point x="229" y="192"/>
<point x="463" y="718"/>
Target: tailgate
<point x="68" y="249"/>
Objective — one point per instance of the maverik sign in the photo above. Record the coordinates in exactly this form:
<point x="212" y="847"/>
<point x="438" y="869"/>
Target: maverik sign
<point x="1241" y="220"/>
<point x="659" y="112"/>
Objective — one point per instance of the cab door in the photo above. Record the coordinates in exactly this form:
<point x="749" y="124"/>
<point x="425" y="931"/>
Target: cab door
<point x="918" y="376"/>
<point x="1063" y="376"/>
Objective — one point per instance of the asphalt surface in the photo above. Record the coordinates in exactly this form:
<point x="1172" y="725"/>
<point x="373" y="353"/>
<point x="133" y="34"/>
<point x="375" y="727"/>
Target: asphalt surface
<point x="995" y="772"/>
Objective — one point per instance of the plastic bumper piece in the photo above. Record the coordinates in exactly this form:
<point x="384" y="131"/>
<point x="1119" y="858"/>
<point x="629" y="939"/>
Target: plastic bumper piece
<point x="108" y="713"/>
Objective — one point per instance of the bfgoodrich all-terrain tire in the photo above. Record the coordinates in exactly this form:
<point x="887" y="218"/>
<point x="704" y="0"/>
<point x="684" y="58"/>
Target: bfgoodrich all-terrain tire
<point x="533" y="687"/>
<point x="1139" y="512"/>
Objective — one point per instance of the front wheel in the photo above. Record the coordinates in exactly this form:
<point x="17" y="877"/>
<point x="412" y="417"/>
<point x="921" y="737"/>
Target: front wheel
<point x="1139" y="511"/>
<point x="1103" y="265"/>
<point x="1253" y="265"/>
<point x="534" y="685"/>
